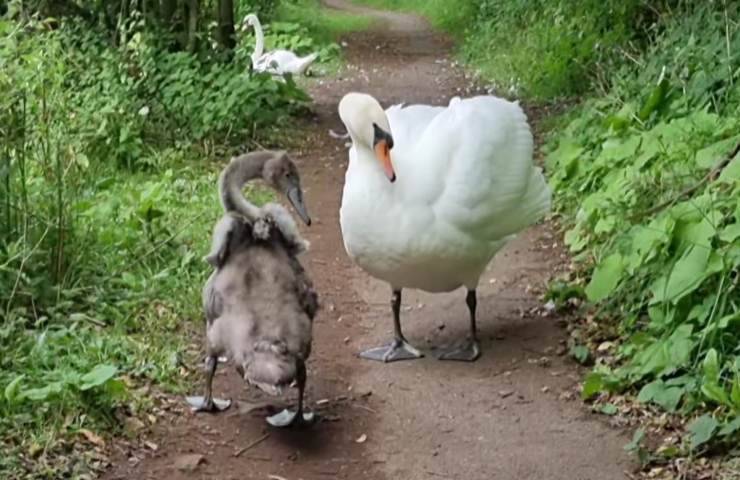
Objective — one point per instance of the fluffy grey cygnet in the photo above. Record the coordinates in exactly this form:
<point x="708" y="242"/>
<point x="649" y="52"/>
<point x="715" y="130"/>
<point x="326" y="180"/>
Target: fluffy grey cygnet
<point x="259" y="302"/>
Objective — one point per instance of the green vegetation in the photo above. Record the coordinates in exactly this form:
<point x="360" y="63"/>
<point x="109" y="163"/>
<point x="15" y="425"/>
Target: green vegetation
<point x="453" y="16"/>
<point x="648" y="177"/>
<point x="324" y="26"/>
<point x="114" y="123"/>
<point x="542" y="49"/>
<point x="647" y="182"/>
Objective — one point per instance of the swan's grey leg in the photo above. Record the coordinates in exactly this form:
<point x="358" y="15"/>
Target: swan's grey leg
<point x="286" y="418"/>
<point x="470" y="350"/>
<point x="399" y="348"/>
<point x="207" y="403"/>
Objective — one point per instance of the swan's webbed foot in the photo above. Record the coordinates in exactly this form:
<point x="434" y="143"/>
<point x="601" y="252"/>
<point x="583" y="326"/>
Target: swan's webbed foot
<point x="208" y="404"/>
<point x="399" y="349"/>
<point x="287" y="418"/>
<point x="468" y="352"/>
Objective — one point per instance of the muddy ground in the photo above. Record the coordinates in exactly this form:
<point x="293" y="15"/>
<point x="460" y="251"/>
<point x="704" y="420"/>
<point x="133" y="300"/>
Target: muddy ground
<point x="507" y="416"/>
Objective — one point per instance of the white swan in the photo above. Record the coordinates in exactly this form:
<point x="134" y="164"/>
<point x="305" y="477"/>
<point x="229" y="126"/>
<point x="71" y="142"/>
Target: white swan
<point x="276" y="62"/>
<point x="465" y="185"/>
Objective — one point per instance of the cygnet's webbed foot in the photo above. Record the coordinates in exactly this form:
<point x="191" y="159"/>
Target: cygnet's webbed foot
<point x="207" y="403"/>
<point x="399" y="349"/>
<point x="299" y="418"/>
<point x="288" y="418"/>
<point x="199" y="403"/>
<point x="468" y="352"/>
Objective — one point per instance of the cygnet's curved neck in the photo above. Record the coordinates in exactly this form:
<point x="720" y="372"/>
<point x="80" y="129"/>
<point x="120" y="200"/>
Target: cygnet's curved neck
<point x="241" y="170"/>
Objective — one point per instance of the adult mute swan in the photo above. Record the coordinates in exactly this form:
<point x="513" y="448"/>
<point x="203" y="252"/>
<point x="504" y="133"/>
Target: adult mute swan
<point x="459" y="184"/>
<point x="276" y="62"/>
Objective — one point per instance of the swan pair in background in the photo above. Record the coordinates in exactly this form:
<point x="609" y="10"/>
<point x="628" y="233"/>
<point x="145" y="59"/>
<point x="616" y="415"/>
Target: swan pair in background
<point x="431" y="194"/>
<point x="276" y="62"/>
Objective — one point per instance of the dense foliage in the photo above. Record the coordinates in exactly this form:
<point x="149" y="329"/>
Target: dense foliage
<point x="113" y="127"/>
<point x="544" y="48"/>
<point x="650" y="175"/>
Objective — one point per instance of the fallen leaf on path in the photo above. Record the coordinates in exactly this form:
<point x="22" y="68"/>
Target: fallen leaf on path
<point x="92" y="437"/>
<point x="276" y="477"/>
<point x="189" y="462"/>
<point x="361" y="439"/>
<point x="151" y="446"/>
<point x="506" y="393"/>
<point x="133" y="425"/>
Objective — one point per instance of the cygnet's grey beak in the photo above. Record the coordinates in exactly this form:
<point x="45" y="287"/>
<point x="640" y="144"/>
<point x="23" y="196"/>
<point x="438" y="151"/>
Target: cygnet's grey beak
<point x="295" y="196"/>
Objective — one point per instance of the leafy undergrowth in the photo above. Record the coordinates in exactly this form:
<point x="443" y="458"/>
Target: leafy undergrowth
<point x="109" y="154"/>
<point x="453" y="16"/>
<point x="541" y="49"/>
<point x="648" y="178"/>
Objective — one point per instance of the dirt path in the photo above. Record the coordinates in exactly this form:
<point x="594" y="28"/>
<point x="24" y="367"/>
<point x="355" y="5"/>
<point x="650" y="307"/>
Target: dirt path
<point x="501" y="417"/>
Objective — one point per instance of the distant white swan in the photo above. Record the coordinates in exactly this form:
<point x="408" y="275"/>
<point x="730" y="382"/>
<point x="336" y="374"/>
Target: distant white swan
<point x="276" y="62"/>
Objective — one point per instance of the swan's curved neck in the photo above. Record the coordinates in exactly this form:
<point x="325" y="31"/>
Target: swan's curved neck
<point x="241" y="170"/>
<point x="259" y="46"/>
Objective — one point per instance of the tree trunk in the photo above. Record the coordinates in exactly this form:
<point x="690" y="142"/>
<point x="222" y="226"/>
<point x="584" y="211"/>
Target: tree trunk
<point x="225" y="32"/>
<point x="167" y="10"/>
<point x="192" y="43"/>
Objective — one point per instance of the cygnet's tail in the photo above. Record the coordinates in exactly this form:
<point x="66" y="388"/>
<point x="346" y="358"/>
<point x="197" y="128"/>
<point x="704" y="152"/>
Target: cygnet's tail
<point x="272" y="367"/>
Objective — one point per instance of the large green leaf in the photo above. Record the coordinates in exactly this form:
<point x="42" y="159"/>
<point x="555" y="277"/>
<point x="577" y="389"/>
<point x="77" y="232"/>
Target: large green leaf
<point x="730" y="233"/>
<point x="593" y="384"/>
<point x="606" y="277"/>
<point x="710" y="156"/>
<point x="688" y="273"/>
<point x="658" y="392"/>
<point x="702" y="429"/>
<point x="42" y="393"/>
<point x="97" y="376"/>
<point x="12" y="389"/>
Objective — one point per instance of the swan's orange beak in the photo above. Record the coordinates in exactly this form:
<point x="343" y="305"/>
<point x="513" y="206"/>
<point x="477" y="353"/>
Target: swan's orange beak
<point x="383" y="152"/>
<point x="382" y="143"/>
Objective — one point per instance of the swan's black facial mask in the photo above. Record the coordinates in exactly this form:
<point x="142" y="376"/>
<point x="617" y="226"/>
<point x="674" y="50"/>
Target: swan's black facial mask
<point x="382" y="144"/>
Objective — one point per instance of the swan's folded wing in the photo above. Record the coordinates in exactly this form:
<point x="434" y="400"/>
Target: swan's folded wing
<point x="483" y="146"/>
<point x="408" y="124"/>
<point x="213" y="304"/>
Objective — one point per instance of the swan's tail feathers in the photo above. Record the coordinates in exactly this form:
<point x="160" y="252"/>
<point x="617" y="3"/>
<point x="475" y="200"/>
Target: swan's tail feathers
<point x="305" y="62"/>
<point x="538" y="199"/>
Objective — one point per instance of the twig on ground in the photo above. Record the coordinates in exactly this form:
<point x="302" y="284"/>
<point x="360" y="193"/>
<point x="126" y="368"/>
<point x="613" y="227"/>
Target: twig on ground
<point x="252" y="445"/>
